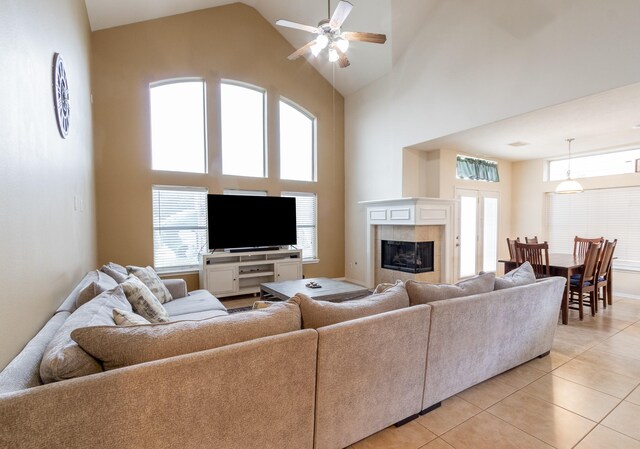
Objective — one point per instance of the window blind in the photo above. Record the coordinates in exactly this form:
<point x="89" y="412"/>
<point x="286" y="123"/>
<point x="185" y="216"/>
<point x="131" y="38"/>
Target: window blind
<point x="179" y="226"/>
<point x="610" y="213"/>
<point x="245" y="192"/>
<point x="306" y="222"/>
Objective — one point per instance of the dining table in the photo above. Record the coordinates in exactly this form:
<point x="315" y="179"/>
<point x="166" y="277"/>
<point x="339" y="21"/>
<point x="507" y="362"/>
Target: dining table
<point x="565" y="265"/>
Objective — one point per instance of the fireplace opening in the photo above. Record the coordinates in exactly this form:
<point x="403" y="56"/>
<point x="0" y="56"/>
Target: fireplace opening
<point x="410" y="257"/>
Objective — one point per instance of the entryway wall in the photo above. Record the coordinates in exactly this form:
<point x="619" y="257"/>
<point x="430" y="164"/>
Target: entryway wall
<point x="432" y="174"/>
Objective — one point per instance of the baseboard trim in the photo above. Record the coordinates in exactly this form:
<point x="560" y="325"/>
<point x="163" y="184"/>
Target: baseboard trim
<point x="406" y="420"/>
<point x="625" y="295"/>
<point x="430" y="408"/>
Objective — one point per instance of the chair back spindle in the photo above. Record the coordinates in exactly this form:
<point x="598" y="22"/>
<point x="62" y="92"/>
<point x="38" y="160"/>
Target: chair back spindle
<point x="531" y="240"/>
<point x="537" y="254"/>
<point x="581" y="245"/>
<point x="512" y="247"/>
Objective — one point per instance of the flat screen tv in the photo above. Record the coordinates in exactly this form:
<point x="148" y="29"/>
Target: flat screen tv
<point x="239" y="221"/>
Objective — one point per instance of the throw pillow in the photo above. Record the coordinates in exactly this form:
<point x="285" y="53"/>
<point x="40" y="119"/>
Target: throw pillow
<point x="127" y="318"/>
<point x="122" y="346"/>
<point x="112" y="270"/>
<point x="143" y="301"/>
<point x="424" y="292"/>
<point x="89" y="292"/>
<point x="385" y="286"/>
<point x="150" y="278"/>
<point x="317" y="314"/>
<point x="523" y="275"/>
<point x="63" y="358"/>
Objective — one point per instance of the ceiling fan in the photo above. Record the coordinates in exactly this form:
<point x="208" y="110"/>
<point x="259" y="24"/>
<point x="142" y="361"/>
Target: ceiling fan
<point x="330" y="36"/>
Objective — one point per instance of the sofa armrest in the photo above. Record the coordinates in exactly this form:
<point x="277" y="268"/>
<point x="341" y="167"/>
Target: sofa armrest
<point x="258" y="393"/>
<point x="177" y="287"/>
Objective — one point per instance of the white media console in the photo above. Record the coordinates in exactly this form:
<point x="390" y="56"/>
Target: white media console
<point x="239" y="273"/>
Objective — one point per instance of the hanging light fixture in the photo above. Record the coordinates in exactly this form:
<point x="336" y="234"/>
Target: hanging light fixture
<point x="569" y="185"/>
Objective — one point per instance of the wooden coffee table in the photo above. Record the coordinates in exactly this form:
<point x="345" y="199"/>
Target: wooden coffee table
<point x="331" y="290"/>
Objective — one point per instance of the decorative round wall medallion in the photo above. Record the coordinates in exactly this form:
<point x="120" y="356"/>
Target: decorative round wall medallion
<point x="61" y="95"/>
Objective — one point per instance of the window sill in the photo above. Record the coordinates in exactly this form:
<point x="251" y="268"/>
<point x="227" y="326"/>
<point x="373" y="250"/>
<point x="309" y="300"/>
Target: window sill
<point x="176" y="271"/>
<point x="310" y="261"/>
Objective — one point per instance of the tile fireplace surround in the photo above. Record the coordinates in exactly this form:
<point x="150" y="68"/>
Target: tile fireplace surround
<point x="410" y="220"/>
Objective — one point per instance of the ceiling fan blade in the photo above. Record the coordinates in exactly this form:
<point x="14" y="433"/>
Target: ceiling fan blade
<point x="340" y="14"/>
<point x="297" y="26"/>
<point x="373" y="38"/>
<point x="343" y="61"/>
<point x="301" y="51"/>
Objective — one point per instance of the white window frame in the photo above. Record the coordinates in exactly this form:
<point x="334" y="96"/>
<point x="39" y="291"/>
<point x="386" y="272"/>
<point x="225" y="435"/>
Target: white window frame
<point x="265" y="167"/>
<point x="313" y="257"/>
<point x="314" y="139"/>
<point x="159" y="261"/>
<point x="596" y="167"/>
<point x="241" y="192"/>
<point x="204" y="121"/>
<point x="612" y="213"/>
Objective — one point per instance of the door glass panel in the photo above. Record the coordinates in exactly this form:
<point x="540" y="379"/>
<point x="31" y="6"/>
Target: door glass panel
<point x="468" y="232"/>
<point x="490" y="235"/>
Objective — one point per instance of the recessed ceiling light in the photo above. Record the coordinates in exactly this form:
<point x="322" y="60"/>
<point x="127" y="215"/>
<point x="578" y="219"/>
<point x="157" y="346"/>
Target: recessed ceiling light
<point x="519" y="143"/>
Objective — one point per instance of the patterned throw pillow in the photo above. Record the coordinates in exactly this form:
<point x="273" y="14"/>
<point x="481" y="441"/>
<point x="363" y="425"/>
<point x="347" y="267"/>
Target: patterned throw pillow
<point x="114" y="272"/>
<point x="150" y="278"/>
<point x="143" y="301"/>
<point x="127" y="318"/>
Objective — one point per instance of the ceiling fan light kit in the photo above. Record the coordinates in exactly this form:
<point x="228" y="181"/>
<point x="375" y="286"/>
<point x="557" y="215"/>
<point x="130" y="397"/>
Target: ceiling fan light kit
<point x="330" y="36"/>
<point x="569" y="185"/>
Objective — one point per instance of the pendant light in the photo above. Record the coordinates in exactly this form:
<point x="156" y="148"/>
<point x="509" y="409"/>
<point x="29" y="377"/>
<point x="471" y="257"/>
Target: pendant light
<point x="569" y="185"/>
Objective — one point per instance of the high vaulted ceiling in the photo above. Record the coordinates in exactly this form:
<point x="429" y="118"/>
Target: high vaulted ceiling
<point x="599" y="122"/>
<point x="368" y="61"/>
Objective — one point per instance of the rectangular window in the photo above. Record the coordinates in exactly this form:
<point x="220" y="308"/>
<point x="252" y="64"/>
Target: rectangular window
<point x="306" y="222"/>
<point x="476" y="169"/>
<point x="242" y="110"/>
<point x="179" y="227"/>
<point x="297" y="143"/>
<point x="178" y="126"/>
<point x="597" y="165"/>
<point x="609" y="213"/>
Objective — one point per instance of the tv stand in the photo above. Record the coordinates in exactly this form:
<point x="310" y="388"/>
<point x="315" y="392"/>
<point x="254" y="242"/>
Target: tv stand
<point x="239" y="273"/>
<point x="260" y="248"/>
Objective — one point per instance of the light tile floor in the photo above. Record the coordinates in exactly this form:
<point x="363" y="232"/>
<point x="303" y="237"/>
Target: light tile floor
<point x="584" y="395"/>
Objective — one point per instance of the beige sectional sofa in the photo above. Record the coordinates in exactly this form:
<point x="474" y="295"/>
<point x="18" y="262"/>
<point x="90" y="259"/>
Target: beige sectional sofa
<point x="372" y="363"/>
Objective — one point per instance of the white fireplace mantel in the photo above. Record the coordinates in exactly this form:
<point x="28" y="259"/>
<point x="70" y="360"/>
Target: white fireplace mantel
<point x="410" y="212"/>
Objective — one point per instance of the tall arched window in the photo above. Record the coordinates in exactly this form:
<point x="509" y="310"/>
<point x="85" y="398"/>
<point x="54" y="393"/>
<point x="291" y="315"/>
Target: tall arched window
<point x="178" y="125"/>
<point x="242" y="109"/>
<point x="297" y="143"/>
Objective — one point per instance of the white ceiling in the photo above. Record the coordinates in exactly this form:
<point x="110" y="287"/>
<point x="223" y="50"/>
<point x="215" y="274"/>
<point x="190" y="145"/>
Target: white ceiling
<point x="598" y="123"/>
<point x="368" y="61"/>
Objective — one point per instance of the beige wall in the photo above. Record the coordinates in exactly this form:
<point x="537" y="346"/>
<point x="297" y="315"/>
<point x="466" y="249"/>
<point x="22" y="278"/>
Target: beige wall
<point x="529" y="209"/>
<point x="473" y="63"/>
<point x="229" y="42"/>
<point x="46" y="244"/>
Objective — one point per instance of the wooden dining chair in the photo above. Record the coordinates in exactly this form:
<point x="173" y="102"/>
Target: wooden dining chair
<point x="604" y="269"/>
<point x="512" y="247"/>
<point x="537" y="254"/>
<point x="585" y="283"/>
<point x="531" y="240"/>
<point x="580" y="245"/>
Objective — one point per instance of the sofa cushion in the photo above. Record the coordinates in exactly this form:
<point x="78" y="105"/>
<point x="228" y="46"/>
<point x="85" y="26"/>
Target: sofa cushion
<point x="128" y="318"/>
<point x="150" y="278"/>
<point x="69" y="304"/>
<point x="424" y="292"/>
<point x="380" y="288"/>
<point x="317" y="314"/>
<point x="119" y="346"/>
<point x="197" y="301"/>
<point x="523" y="275"/>
<point x="203" y="315"/>
<point x="143" y="301"/>
<point x="63" y="358"/>
<point x="102" y="284"/>
<point x="117" y="272"/>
